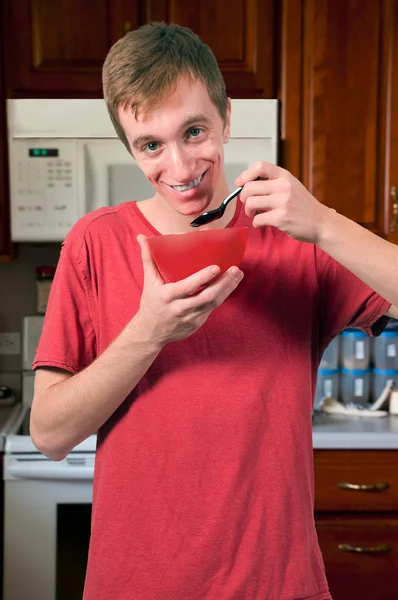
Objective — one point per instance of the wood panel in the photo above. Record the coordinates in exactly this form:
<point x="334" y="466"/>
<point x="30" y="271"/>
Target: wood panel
<point x="367" y="575"/>
<point x="391" y="178"/>
<point x="242" y="36"/>
<point x="358" y="467"/>
<point x="343" y="66"/>
<point x="290" y="86"/>
<point x="5" y="243"/>
<point x="61" y="45"/>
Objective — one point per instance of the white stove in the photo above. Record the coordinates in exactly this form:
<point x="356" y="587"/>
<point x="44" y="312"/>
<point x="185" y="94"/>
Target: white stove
<point x="47" y="504"/>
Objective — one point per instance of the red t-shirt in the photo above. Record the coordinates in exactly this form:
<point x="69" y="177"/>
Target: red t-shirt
<point x="203" y="486"/>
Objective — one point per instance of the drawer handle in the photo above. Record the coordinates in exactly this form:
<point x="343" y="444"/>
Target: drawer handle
<point x="376" y="487"/>
<point x="380" y="549"/>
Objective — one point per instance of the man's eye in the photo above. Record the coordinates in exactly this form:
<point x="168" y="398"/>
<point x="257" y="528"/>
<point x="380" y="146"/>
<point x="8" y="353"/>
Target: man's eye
<point x="151" y="147"/>
<point x="194" y="131"/>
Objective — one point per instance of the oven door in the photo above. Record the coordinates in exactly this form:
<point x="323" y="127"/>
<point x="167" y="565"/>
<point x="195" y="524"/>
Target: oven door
<point x="46" y="526"/>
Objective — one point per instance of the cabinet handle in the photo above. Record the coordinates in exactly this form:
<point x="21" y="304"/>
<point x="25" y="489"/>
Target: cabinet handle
<point x="380" y="549"/>
<point x="376" y="487"/>
<point x="127" y="26"/>
<point x="394" y="222"/>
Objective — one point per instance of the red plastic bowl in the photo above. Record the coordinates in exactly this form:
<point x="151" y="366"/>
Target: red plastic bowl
<point x="179" y="255"/>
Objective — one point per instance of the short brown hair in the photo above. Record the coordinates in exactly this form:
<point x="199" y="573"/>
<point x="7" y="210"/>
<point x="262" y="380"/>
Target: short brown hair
<point x="144" y="66"/>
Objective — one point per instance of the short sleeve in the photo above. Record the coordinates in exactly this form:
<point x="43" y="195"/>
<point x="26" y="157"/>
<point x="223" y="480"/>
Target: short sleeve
<point x="68" y="339"/>
<point x="346" y="300"/>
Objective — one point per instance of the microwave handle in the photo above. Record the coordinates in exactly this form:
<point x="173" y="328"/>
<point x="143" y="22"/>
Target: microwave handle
<point x="47" y="470"/>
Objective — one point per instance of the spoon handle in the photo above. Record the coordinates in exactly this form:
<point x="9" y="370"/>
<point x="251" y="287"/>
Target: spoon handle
<point x="237" y="192"/>
<point x="232" y="196"/>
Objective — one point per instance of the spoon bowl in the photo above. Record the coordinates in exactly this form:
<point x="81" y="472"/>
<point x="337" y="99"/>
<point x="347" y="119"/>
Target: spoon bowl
<point x="217" y="213"/>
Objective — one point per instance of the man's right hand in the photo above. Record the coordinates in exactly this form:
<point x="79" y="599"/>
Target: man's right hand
<point x="173" y="311"/>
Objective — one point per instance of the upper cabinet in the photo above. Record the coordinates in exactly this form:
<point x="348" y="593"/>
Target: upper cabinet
<point x="242" y="36"/>
<point x="339" y="90"/>
<point x="58" y="48"/>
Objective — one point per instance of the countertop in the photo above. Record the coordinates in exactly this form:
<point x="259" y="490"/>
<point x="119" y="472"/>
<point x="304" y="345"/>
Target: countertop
<point x="337" y="432"/>
<point x="332" y="432"/>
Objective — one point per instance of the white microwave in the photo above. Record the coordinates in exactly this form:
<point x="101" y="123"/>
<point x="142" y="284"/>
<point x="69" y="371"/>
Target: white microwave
<point x="66" y="161"/>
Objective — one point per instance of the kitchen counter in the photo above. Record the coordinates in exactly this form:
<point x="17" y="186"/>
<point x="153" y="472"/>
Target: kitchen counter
<point x="329" y="432"/>
<point x="335" y="432"/>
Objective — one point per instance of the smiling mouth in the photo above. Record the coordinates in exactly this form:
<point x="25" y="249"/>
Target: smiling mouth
<point x="189" y="186"/>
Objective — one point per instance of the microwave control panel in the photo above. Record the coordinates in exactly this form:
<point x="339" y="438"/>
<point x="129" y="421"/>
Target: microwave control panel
<point x="44" y="191"/>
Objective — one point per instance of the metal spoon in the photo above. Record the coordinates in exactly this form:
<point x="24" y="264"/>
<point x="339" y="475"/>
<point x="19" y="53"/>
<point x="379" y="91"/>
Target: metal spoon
<point x="216" y="213"/>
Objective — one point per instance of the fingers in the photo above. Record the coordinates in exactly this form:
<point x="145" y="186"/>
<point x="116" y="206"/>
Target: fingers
<point x="189" y="285"/>
<point x="261" y="204"/>
<point x="214" y="294"/>
<point x="149" y="266"/>
<point x="260" y="188"/>
<point x="259" y="169"/>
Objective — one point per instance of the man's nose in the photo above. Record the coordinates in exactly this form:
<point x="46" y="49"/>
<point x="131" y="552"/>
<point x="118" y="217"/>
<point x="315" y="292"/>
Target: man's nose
<point x="180" y="165"/>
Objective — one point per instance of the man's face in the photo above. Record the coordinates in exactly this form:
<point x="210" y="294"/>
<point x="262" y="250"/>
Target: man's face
<point x="178" y="144"/>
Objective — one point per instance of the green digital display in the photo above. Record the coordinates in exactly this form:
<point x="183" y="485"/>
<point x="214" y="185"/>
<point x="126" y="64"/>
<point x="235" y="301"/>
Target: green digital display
<point x="43" y="152"/>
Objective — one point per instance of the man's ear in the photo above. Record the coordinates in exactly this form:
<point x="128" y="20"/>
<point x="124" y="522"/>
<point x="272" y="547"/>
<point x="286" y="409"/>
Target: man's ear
<point x="227" y="128"/>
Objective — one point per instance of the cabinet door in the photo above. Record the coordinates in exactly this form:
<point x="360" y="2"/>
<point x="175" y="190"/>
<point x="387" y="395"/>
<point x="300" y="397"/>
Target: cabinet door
<point x="242" y="36"/>
<point x="58" y="48"/>
<point x="356" y="480"/>
<point x="341" y="64"/>
<point x="361" y="556"/>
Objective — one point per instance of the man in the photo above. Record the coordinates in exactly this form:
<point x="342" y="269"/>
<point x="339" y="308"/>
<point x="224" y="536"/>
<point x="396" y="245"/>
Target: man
<point x="203" y="483"/>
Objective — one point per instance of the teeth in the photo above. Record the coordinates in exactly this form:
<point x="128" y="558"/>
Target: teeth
<point x="184" y="188"/>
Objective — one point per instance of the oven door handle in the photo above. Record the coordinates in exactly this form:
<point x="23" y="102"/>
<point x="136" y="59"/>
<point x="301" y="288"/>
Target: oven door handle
<point x="43" y="469"/>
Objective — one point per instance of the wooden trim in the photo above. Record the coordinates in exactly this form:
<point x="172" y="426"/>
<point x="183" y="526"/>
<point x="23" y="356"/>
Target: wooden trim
<point x="384" y="145"/>
<point x="390" y="175"/>
<point x="6" y="248"/>
<point x="290" y="88"/>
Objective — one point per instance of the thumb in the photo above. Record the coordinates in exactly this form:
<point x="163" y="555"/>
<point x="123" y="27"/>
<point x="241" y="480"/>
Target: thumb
<point x="150" y="270"/>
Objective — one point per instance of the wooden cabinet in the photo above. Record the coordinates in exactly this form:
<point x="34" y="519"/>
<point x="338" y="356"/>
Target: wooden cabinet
<point x="57" y="48"/>
<point x="356" y="515"/>
<point x="360" y="556"/>
<point x="339" y="90"/>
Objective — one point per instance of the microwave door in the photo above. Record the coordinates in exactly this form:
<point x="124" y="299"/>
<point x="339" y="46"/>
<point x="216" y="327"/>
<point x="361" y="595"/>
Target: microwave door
<point x="127" y="182"/>
<point x="240" y="153"/>
<point x="111" y="175"/>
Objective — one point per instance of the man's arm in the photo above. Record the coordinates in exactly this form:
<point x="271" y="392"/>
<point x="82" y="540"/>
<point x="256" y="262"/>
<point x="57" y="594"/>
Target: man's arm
<point x="369" y="257"/>
<point x="392" y="312"/>
<point x="280" y="200"/>
<point x="67" y="408"/>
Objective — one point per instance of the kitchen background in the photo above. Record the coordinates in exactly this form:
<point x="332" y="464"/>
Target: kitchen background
<point x="333" y="67"/>
<point x="18" y="298"/>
